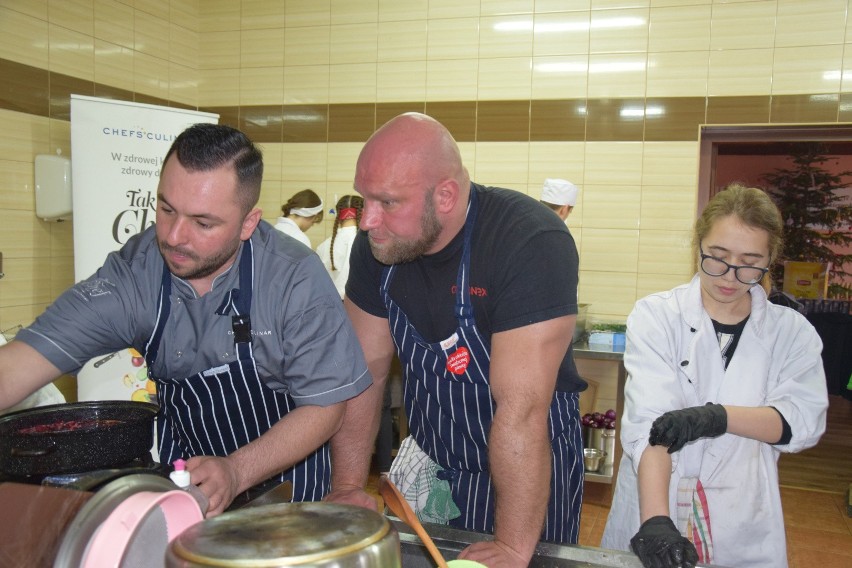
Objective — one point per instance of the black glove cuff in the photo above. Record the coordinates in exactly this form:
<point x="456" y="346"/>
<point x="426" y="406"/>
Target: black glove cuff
<point x="720" y="416"/>
<point x="660" y="521"/>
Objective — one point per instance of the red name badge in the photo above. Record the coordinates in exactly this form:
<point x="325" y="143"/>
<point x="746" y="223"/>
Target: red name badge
<point x="457" y="362"/>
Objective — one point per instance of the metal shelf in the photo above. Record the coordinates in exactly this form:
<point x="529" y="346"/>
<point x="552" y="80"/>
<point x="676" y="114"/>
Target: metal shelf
<point x="603" y="475"/>
<point x="582" y="350"/>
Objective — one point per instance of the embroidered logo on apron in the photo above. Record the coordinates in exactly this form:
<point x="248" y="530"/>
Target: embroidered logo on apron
<point x="457" y="362"/>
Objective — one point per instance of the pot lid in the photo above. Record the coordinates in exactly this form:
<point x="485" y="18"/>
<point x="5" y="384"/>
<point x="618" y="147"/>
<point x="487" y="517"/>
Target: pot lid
<point x="286" y="533"/>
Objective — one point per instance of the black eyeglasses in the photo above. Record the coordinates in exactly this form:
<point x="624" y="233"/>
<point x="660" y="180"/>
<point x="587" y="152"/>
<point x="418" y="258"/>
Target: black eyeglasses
<point x="713" y="266"/>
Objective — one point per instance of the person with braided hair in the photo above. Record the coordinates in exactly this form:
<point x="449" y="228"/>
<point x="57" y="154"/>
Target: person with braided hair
<point x="334" y="251"/>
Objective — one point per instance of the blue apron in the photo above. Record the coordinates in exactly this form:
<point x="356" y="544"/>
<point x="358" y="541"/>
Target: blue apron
<point x="450" y="410"/>
<point x="219" y="410"/>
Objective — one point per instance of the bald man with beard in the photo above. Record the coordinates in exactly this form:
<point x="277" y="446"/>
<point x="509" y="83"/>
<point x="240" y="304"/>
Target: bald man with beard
<point x="475" y="289"/>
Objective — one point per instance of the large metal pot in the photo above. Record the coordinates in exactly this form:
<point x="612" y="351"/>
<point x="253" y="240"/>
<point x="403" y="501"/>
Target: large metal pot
<point x="75" y="437"/>
<point x="326" y="535"/>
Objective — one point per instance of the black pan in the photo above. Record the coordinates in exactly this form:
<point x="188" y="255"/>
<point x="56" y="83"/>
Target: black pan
<point x="75" y="437"/>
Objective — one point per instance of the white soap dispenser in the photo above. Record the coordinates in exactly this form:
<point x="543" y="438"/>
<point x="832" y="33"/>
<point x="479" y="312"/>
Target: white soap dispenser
<point x="180" y="476"/>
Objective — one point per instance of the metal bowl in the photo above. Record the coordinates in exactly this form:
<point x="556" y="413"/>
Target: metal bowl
<point x="592" y="458"/>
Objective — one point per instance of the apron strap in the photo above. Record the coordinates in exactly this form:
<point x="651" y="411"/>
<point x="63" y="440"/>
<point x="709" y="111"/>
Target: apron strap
<point x="164" y="307"/>
<point x="464" y="309"/>
<point x="237" y="302"/>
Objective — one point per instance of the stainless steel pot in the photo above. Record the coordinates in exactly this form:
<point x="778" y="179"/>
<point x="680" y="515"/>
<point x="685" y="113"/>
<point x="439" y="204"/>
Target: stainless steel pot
<point x="325" y="535"/>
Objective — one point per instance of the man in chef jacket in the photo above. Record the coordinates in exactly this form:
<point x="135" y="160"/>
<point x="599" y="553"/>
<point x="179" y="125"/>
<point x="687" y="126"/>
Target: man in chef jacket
<point x="241" y="328"/>
<point x="560" y="195"/>
<point x="451" y="276"/>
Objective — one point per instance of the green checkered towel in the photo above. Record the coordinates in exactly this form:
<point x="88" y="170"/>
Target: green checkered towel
<point x="416" y="476"/>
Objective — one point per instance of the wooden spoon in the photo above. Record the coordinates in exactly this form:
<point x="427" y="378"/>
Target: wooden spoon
<point x="400" y="507"/>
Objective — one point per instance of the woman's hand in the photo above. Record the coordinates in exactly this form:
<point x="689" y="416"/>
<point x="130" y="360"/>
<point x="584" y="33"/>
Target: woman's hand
<point x="676" y="428"/>
<point x="659" y="544"/>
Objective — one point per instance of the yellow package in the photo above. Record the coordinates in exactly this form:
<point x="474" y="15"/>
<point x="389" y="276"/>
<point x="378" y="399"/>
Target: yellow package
<point x="806" y="279"/>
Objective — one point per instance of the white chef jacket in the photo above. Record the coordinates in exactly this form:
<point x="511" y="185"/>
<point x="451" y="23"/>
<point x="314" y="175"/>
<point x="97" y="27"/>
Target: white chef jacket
<point x="342" y="246"/>
<point x="289" y="227"/>
<point x="48" y="394"/>
<point x="673" y="361"/>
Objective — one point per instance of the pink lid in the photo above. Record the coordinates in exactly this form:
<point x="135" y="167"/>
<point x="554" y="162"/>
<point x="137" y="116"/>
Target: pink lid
<point x="132" y="522"/>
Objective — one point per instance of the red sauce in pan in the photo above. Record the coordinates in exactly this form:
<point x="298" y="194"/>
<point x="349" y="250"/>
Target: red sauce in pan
<point x="68" y="426"/>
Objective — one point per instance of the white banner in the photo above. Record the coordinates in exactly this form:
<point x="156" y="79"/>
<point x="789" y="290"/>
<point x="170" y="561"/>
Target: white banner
<point x="117" y="149"/>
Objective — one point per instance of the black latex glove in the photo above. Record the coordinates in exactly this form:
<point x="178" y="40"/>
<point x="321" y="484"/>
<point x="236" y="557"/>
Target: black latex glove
<point x="677" y="427"/>
<point x="658" y="544"/>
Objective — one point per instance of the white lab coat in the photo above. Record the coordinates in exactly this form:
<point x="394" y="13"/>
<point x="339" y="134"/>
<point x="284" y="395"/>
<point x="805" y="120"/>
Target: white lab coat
<point x="342" y="247"/>
<point x="289" y="227"/>
<point x="673" y="361"/>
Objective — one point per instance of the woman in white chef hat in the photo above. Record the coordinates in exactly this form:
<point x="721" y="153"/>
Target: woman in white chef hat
<point x="300" y="213"/>
<point x="560" y="195"/>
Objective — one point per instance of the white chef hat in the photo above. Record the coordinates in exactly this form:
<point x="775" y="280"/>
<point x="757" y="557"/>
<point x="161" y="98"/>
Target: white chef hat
<point x="559" y="192"/>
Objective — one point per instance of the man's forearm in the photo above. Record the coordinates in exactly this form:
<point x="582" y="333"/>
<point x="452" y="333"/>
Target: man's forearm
<point x="352" y="445"/>
<point x="300" y="432"/>
<point x="23" y="370"/>
<point x="520" y="464"/>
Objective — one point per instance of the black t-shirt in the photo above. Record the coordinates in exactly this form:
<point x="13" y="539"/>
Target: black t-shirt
<point x="728" y="336"/>
<point x="524" y="266"/>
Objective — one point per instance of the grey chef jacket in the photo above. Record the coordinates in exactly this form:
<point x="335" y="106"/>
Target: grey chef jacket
<point x="302" y="339"/>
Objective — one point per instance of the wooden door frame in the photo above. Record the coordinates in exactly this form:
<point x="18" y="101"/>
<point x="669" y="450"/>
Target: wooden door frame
<point x="712" y="136"/>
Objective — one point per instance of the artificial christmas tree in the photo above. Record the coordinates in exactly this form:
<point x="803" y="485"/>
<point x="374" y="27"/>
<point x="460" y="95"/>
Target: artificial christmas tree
<point x="818" y="219"/>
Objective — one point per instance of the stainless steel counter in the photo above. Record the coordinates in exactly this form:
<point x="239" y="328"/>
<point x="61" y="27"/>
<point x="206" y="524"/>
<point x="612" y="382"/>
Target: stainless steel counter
<point x="451" y="541"/>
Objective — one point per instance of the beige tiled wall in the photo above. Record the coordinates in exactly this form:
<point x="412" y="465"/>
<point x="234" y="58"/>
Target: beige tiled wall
<point x="37" y="256"/>
<point x="638" y="181"/>
<point x="146" y="46"/>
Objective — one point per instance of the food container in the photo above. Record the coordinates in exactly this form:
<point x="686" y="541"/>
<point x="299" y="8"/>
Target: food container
<point x="603" y="440"/>
<point x="607" y="445"/>
<point x="580" y="324"/>
<point x="592" y="459"/>
<point x="593" y="438"/>
<point x="75" y="437"/>
<point x="613" y="339"/>
<point x="326" y="535"/>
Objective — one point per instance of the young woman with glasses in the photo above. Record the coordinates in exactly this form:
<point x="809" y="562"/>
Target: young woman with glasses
<point x="721" y="382"/>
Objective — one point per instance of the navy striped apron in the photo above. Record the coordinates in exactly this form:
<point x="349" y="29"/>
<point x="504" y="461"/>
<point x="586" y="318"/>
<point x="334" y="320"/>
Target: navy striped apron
<point x="224" y="408"/>
<point x="450" y="410"/>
